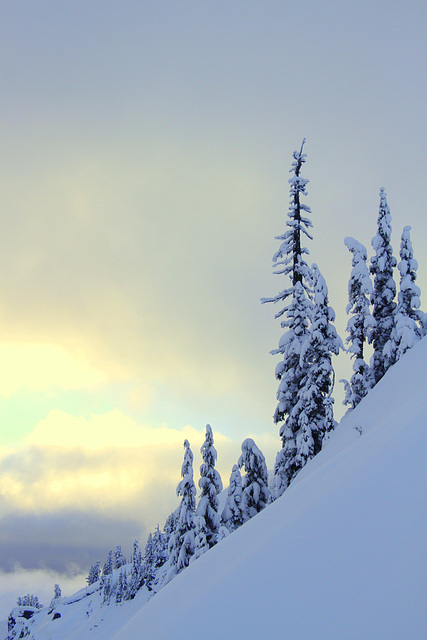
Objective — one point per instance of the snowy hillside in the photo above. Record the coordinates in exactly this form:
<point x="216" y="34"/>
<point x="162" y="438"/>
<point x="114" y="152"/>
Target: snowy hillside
<point x="341" y="555"/>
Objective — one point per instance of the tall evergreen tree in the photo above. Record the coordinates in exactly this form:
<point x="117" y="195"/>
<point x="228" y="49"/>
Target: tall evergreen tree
<point x="256" y="493"/>
<point x="210" y="484"/>
<point x="361" y="323"/>
<point x="181" y="543"/>
<point x="384" y="307"/>
<point x="407" y="326"/>
<point x="316" y="418"/>
<point x="232" y="514"/>
<point x="289" y="261"/>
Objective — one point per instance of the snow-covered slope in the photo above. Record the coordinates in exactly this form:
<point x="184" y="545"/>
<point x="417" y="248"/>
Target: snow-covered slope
<point x="342" y="555"/>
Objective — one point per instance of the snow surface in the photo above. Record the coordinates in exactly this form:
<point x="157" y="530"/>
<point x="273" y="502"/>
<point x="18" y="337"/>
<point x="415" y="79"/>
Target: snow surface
<point x="342" y="555"/>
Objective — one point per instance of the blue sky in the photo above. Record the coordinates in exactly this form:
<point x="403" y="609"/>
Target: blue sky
<point x="145" y="149"/>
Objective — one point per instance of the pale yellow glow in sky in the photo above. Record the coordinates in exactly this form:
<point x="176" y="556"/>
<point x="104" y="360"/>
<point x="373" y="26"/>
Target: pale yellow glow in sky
<point x="40" y="367"/>
<point x="112" y="429"/>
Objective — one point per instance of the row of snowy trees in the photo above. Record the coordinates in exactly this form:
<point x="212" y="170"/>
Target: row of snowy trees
<point x="393" y="327"/>
<point x="199" y="529"/>
<point x="193" y="528"/>
<point x="305" y="404"/>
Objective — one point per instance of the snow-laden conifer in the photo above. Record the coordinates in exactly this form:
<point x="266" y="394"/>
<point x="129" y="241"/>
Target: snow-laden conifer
<point x="94" y="573"/>
<point x="106" y="587"/>
<point x="136" y="576"/>
<point x="289" y="261"/>
<point x="57" y="592"/>
<point x="181" y="543"/>
<point x="169" y="526"/>
<point x="155" y="555"/>
<point x="315" y="402"/>
<point x="160" y="547"/>
<point x="201" y="544"/>
<point x="361" y="323"/>
<point x="255" y="482"/>
<point x="119" y="559"/>
<point x="121" y="586"/>
<point x="210" y="484"/>
<point x="407" y="325"/>
<point x="384" y="306"/>
<point x="109" y="564"/>
<point x="232" y="514"/>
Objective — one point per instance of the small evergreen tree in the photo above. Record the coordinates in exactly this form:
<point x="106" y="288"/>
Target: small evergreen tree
<point x="109" y="564"/>
<point x="181" y="543"/>
<point x="255" y="483"/>
<point x="384" y="307"/>
<point x="210" y="484"/>
<point x="201" y="544"/>
<point x="289" y="261"/>
<point x="94" y="573"/>
<point x="316" y="418"/>
<point x="407" y="326"/>
<point x="119" y="559"/>
<point x="150" y="561"/>
<point x="136" y="579"/>
<point x="160" y="547"/>
<point x="361" y="324"/>
<point x="57" y="593"/>
<point x="106" y="587"/>
<point x="169" y="527"/>
<point x="121" y="587"/>
<point x="232" y="514"/>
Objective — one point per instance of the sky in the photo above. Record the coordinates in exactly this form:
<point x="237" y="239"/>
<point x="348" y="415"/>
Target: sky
<point x="145" y="154"/>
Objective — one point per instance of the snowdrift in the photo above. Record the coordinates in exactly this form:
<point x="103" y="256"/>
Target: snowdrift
<point x="341" y="555"/>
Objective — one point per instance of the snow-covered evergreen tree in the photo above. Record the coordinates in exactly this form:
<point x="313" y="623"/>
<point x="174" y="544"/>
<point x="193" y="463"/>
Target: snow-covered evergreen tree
<point x="407" y="326"/>
<point x="289" y="261"/>
<point x="169" y="527"/>
<point x="255" y="483"/>
<point x="57" y="593"/>
<point x="160" y="547"/>
<point x="361" y="323"/>
<point x="315" y="403"/>
<point x="210" y="484"/>
<point x="149" y="561"/>
<point x="119" y="559"/>
<point x="201" y="544"/>
<point x="94" y="573"/>
<point x="232" y="514"/>
<point x="181" y="543"/>
<point x="121" y="586"/>
<point x="155" y="555"/>
<point x="136" y="576"/>
<point x="106" y="587"/>
<point x="109" y="564"/>
<point x="384" y="307"/>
